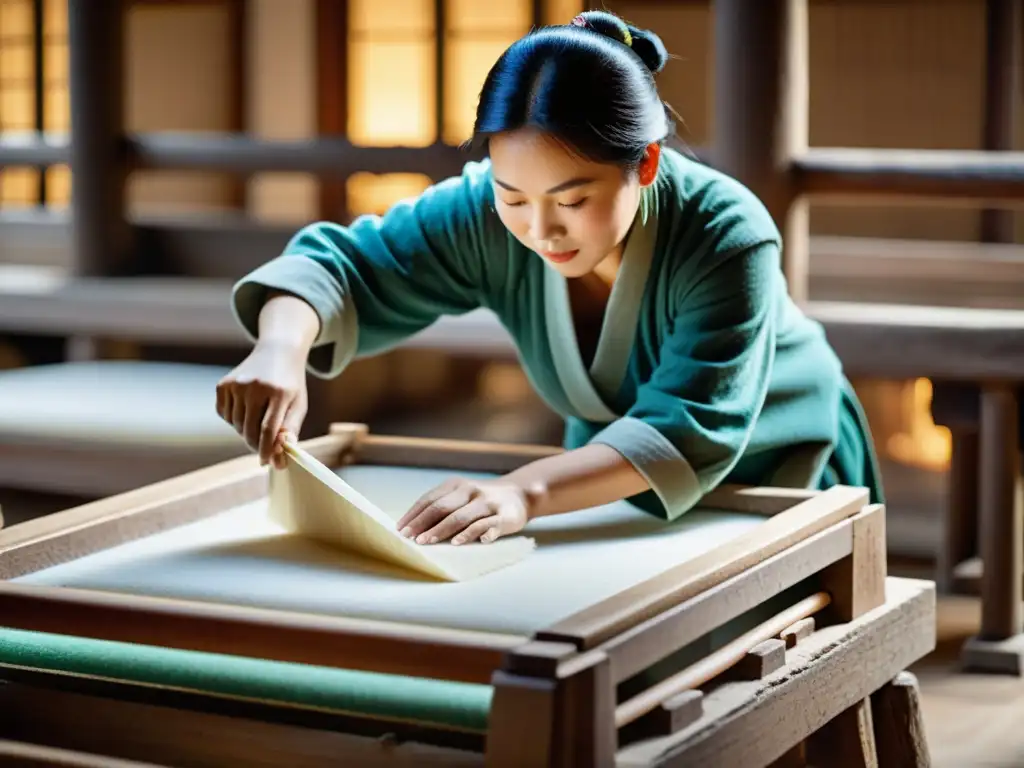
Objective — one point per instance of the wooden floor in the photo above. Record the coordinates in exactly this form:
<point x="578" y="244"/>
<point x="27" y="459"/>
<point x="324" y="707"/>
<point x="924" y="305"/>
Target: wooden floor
<point x="972" y="721"/>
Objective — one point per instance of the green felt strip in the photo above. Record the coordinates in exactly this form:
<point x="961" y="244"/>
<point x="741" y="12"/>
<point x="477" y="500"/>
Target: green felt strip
<point x="461" y="706"/>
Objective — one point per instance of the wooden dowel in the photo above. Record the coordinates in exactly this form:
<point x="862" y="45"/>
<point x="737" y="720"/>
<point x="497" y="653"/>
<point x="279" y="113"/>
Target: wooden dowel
<point x="718" y="662"/>
<point x="797" y="632"/>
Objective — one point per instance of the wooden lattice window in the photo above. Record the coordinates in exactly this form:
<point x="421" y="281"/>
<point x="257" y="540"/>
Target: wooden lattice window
<point x="33" y="93"/>
<point x="391" y="73"/>
<point x="18" y="186"/>
<point x="392" y="77"/>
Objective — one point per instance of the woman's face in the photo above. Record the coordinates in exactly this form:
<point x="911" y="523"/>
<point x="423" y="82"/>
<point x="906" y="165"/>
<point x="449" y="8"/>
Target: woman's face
<point x="572" y="212"/>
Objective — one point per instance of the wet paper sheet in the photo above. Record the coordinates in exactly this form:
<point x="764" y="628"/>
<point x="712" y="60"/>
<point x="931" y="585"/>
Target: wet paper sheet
<point x="310" y="500"/>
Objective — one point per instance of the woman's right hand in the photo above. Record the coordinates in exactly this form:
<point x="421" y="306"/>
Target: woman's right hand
<point x="264" y="398"/>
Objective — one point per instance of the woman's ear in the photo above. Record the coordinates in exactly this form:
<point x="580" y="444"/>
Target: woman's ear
<point x="648" y="169"/>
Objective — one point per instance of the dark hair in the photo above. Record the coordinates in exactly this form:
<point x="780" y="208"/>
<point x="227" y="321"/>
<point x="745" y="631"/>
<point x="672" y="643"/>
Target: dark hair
<point x="589" y="83"/>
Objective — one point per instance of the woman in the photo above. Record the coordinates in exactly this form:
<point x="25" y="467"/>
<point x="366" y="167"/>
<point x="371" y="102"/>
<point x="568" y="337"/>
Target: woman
<point x="643" y="290"/>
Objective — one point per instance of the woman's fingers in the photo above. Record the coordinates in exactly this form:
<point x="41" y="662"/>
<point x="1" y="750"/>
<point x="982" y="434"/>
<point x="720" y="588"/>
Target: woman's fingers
<point x="457" y="521"/>
<point x="257" y="401"/>
<point x="238" y="412"/>
<point x="260" y="394"/>
<point x="486" y="530"/>
<point x="224" y="400"/>
<point x="435" y="512"/>
<point x="271" y="427"/>
<point x="424" y="501"/>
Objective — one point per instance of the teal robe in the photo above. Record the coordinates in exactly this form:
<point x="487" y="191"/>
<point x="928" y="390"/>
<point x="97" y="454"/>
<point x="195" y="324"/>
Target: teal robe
<point x="705" y="371"/>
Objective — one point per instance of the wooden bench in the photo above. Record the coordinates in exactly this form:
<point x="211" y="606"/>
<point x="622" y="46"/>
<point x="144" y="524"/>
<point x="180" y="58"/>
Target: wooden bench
<point x="975" y="359"/>
<point x="92" y="428"/>
<point x="73" y="415"/>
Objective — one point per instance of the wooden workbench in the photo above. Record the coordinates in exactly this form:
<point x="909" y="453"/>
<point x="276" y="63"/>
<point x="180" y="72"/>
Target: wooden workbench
<point x="172" y="624"/>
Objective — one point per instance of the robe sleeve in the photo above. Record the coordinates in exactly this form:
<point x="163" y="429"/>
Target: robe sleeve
<point x="382" y="279"/>
<point x="693" y="418"/>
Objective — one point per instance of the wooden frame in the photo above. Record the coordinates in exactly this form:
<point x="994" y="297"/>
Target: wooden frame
<point x="562" y="680"/>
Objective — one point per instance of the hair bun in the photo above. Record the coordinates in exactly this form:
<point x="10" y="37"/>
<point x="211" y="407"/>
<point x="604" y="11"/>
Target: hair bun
<point x="646" y="44"/>
<point x="649" y="48"/>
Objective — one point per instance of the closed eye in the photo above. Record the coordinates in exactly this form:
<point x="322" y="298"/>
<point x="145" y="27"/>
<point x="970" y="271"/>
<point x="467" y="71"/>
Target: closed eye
<point x="577" y="204"/>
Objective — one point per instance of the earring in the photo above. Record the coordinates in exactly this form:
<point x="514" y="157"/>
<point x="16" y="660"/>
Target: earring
<point x="649" y="165"/>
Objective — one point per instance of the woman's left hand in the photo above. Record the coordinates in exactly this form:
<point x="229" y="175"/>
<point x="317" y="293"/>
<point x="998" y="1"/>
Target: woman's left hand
<point x="466" y="511"/>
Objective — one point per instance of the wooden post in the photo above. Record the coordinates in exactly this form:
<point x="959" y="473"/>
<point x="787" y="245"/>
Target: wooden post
<point x="960" y="533"/>
<point x="553" y="707"/>
<point x="857" y="582"/>
<point x="1000" y="515"/>
<point x="955" y="405"/>
<point x="101" y="234"/>
<point x="1002" y="82"/>
<point x="332" y="30"/>
<point x="760" y="113"/>
<point x="99" y="162"/>
<point x="999" y="647"/>
<point x="1004" y="26"/>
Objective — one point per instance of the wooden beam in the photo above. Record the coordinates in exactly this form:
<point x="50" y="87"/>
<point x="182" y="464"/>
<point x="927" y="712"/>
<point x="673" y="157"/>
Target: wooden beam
<point x="897" y="341"/>
<point x="33" y="149"/>
<point x="325" y="157"/>
<point x="36" y="238"/>
<point x="945" y="176"/>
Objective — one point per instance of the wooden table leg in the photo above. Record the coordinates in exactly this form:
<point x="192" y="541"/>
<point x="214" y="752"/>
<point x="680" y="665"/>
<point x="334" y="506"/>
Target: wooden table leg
<point x="899" y="728"/>
<point x="846" y="741"/>
<point x="960" y="532"/>
<point x="999" y="646"/>
<point x="956" y="406"/>
<point x="795" y="758"/>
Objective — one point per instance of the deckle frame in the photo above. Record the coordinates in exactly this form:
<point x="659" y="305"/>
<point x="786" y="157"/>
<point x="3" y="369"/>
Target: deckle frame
<point x="803" y="533"/>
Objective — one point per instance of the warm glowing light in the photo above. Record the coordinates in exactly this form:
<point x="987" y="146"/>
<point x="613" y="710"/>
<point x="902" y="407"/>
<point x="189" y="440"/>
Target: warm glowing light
<point x="392" y="79"/>
<point x="20" y="186"/>
<point x="504" y="384"/>
<point x="923" y="444"/>
<point x="391" y="73"/>
<point x="370" y="193"/>
<point x="477" y="33"/>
